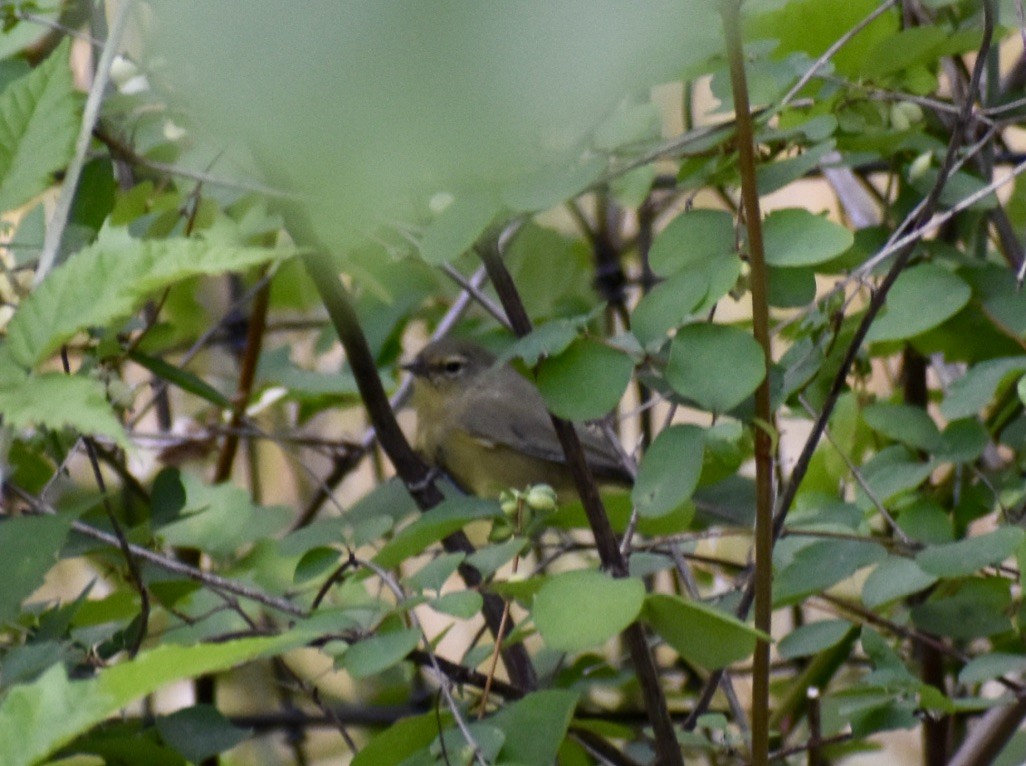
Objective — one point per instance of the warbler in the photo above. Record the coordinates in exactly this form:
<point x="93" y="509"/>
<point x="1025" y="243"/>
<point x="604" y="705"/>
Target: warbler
<point x="487" y="427"/>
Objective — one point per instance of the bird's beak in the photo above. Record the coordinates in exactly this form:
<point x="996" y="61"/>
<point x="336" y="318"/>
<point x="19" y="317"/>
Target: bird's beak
<point x="417" y="368"/>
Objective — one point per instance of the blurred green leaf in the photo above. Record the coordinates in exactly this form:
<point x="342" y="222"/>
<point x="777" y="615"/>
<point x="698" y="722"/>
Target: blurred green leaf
<point x="771" y="176"/>
<point x="586" y="381"/>
<point x="38" y="125"/>
<point x="183" y="379"/>
<point x="38" y="718"/>
<point x="893" y="578"/>
<point x="965" y="557"/>
<point x="444" y="519"/>
<point x="199" y="732"/>
<point x="433" y="575"/>
<point x="978" y="608"/>
<point x="669" y="470"/>
<point x="668" y="305"/>
<point x="715" y="366"/>
<point x="903" y="423"/>
<point x="972" y="392"/>
<point x="401" y="740"/>
<point x="454" y="231"/>
<point x="535" y="725"/>
<point x="813" y="638"/>
<point x="602" y="607"/>
<point x="921" y="298"/>
<point x="373" y="655"/>
<point x="796" y="237"/>
<point x="108" y="280"/>
<point x="29" y="547"/>
<point x="55" y="401"/>
<point x="464" y="604"/>
<point x="990" y="666"/>
<point x="915" y="45"/>
<point x="221" y="518"/>
<point x="700" y="634"/>
<point x="822" y="565"/>
<point x="692" y="238"/>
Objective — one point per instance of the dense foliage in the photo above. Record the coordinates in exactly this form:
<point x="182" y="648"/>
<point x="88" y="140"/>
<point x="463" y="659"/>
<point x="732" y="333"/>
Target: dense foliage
<point x="786" y="280"/>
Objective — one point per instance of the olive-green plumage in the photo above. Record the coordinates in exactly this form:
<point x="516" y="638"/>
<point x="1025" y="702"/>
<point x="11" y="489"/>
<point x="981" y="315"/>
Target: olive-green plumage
<point x="488" y="428"/>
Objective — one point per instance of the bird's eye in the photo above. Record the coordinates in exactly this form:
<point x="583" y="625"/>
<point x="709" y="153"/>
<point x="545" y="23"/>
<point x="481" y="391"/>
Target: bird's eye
<point x="452" y="366"/>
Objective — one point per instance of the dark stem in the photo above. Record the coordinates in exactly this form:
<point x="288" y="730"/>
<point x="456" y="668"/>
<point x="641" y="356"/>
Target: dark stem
<point x="763" y="571"/>
<point x="411" y="469"/>
<point x="667" y="750"/>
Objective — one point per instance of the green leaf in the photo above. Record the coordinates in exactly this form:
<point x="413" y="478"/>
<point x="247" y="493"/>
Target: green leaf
<point x="535" y="725"/>
<point x="893" y="578"/>
<point x="199" y="732"/>
<point x="907" y="48"/>
<point x="488" y="559"/>
<point x="432" y="575"/>
<point x="700" y="634"/>
<point x="903" y="423"/>
<point x="921" y="298"/>
<point x="813" y="638"/>
<point x="108" y="280"/>
<point x="791" y="288"/>
<point x="715" y="366"/>
<point x="38" y="718"/>
<point x="770" y="177"/>
<point x="692" y="238"/>
<point x="463" y="604"/>
<point x="221" y="518"/>
<point x="453" y="232"/>
<point x="55" y="401"/>
<point x="582" y="609"/>
<point x="990" y="666"/>
<point x="926" y="522"/>
<point x="974" y="391"/>
<point x="180" y="378"/>
<point x="979" y="608"/>
<point x="402" y="739"/>
<point x="822" y="565"/>
<point x="29" y="547"/>
<point x="373" y="655"/>
<point x="890" y="472"/>
<point x="548" y="339"/>
<point x="38" y="126"/>
<point x="669" y="305"/>
<point x="444" y="519"/>
<point x="586" y="381"/>
<point x="669" y="471"/>
<point x="796" y="237"/>
<point x="964" y="557"/>
<point x="962" y="441"/>
<point x="314" y="563"/>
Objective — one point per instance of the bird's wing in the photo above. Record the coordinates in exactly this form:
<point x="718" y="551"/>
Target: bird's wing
<point x="521" y="422"/>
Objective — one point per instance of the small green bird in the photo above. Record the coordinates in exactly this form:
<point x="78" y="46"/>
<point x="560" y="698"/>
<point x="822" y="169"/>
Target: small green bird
<point x="488" y="428"/>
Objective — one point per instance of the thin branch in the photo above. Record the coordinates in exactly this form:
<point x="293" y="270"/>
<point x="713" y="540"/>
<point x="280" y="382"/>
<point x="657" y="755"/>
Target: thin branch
<point x="441" y="677"/>
<point x="829" y="53"/>
<point x="59" y="219"/>
<point x="762" y="575"/>
<point x="859" y="478"/>
<point x="667" y="749"/>
<point x="168" y="564"/>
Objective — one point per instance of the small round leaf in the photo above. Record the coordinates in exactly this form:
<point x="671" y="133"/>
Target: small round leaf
<point x="586" y="381"/>
<point x="692" y="238"/>
<point x="922" y="298"/>
<point x="796" y="237"/>
<point x="715" y="366"/>
<point x="582" y="609"/>
<point x="669" y="471"/>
